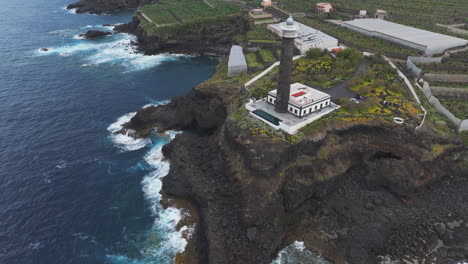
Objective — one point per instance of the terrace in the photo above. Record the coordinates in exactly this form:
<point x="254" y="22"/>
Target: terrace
<point x="287" y="122"/>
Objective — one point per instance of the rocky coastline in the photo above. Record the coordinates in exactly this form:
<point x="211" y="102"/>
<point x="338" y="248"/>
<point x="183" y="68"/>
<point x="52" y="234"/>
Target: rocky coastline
<point x="378" y="194"/>
<point x="360" y="194"/>
<point x="207" y="37"/>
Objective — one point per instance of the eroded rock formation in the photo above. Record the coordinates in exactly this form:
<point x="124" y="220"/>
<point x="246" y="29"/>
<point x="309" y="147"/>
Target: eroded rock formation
<point x="357" y="194"/>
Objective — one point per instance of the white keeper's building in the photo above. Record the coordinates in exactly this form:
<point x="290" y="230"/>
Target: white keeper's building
<point x="303" y="100"/>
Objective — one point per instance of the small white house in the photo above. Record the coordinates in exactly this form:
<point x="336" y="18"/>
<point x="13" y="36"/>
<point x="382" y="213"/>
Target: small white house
<point x="303" y="100"/>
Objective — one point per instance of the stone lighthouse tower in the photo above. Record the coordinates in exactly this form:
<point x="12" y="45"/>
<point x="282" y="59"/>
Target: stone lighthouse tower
<point x="289" y="33"/>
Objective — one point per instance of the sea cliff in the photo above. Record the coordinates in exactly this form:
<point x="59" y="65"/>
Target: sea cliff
<point x="355" y="193"/>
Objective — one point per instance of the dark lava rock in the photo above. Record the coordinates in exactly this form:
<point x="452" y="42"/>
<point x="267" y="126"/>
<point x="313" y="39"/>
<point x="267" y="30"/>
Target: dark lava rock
<point x="251" y="233"/>
<point x="92" y="34"/>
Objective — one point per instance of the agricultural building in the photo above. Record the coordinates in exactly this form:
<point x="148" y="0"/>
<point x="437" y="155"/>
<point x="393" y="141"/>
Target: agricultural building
<point x="428" y="42"/>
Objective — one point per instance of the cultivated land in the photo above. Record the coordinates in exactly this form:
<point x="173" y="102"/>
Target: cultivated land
<point x="168" y="12"/>
<point x="419" y="13"/>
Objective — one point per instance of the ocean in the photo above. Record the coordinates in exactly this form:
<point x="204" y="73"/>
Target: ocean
<point x="72" y="191"/>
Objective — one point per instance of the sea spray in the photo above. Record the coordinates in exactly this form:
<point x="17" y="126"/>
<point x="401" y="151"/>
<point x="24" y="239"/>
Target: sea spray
<point x="126" y="142"/>
<point x="114" y="50"/>
<point x="298" y="253"/>
<point x="164" y="240"/>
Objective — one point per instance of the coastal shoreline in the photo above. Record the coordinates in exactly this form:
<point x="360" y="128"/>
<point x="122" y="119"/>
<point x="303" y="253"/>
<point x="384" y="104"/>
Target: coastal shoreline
<point x="355" y="194"/>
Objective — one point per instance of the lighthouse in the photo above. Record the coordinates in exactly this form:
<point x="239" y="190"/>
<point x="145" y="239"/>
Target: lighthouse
<point x="289" y="32"/>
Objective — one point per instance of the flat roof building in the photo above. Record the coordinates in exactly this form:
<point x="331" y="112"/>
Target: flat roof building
<point x="236" y="64"/>
<point x="308" y="37"/>
<point x="426" y="41"/>
<point x="303" y="100"/>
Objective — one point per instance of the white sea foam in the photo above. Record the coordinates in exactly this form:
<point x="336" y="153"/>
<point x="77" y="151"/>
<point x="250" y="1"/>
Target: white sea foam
<point x="78" y="36"/>
<point x="117" y="50"/>
<point x="126" y="142"/>
<point x="298" y="253"/>
<point x="167" y="219"/>
<point x="70" y="11"/>
<point x="156" y="103"/>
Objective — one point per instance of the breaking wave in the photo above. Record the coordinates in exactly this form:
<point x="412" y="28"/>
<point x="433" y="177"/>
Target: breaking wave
<point x="298" y="253"/>
<point x="113" y="50"/>
<point x="164" y="240"/>
<point x="126" y="142"/>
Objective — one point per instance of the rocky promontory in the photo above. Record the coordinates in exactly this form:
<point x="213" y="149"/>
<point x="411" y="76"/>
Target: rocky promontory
<point x="359" y="193"/>
<point x="93" y="34"/>
<point x="208" y="35"/>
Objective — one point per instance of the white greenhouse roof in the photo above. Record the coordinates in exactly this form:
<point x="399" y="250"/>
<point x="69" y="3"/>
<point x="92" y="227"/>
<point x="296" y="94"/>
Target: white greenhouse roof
<point x="431" y="40"/>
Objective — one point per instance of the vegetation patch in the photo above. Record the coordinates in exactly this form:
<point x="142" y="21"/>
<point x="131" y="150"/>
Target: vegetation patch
<point x="458" y="107"/>
<point x="252" y="60"/>
<point x="261" y="33"/>
<point x="267" y="56"/>
<point x="185" y="10"/>
<point x="320" y="69"/>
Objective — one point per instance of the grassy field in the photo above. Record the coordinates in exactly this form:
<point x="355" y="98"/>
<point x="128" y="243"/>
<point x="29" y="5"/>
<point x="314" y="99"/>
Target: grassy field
<point x="458" y="107"/>
<point x="185" y="10"/>
<point x="267" y="56"/>
<point x="419" y="13"/>
<point x="261" y="32"/>
<point x="252" y="60"/>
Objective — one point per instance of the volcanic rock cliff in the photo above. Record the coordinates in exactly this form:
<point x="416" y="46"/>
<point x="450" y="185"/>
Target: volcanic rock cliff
<point x="359" y="193"/>
<point x="212" y="34"/>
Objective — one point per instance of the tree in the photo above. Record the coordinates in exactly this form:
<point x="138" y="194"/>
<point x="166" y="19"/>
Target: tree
<point x="350" y="54"/>
<point x="314" y="53"/>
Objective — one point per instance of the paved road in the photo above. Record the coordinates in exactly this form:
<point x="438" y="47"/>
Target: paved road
<point x="341" y="90"/>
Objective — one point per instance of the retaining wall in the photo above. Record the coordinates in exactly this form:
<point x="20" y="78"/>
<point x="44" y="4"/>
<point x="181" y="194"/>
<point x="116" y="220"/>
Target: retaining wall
<point x="454" y="78"/>
<point x="426" y="90"/>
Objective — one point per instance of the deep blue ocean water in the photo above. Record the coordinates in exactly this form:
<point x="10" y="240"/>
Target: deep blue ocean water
<point x="69" y="191"/>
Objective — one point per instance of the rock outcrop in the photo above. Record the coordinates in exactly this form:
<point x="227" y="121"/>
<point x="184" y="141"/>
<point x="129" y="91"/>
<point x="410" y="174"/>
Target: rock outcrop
<point x="106" y="6"/>
<point x="358" y="194"/>
<point x="211" y="35"/>
<point x="93" y="34"/>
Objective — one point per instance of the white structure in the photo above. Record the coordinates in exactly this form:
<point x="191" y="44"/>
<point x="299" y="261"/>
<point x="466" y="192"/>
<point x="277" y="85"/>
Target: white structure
<point x="266" y="3"/>
<point x="380" y="14"/>
<point x="307" y="37"/>
<point x="429" y="42"/>
<point x="303" y="100"/>
<point x="236" y="64"/>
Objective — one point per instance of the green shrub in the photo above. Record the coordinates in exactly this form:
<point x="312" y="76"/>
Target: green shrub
<point x="314" y="53"/>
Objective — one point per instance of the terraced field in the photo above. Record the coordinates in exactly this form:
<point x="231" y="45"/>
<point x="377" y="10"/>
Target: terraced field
<point x="185" y="10"/>
<point x="419" y="13"/>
